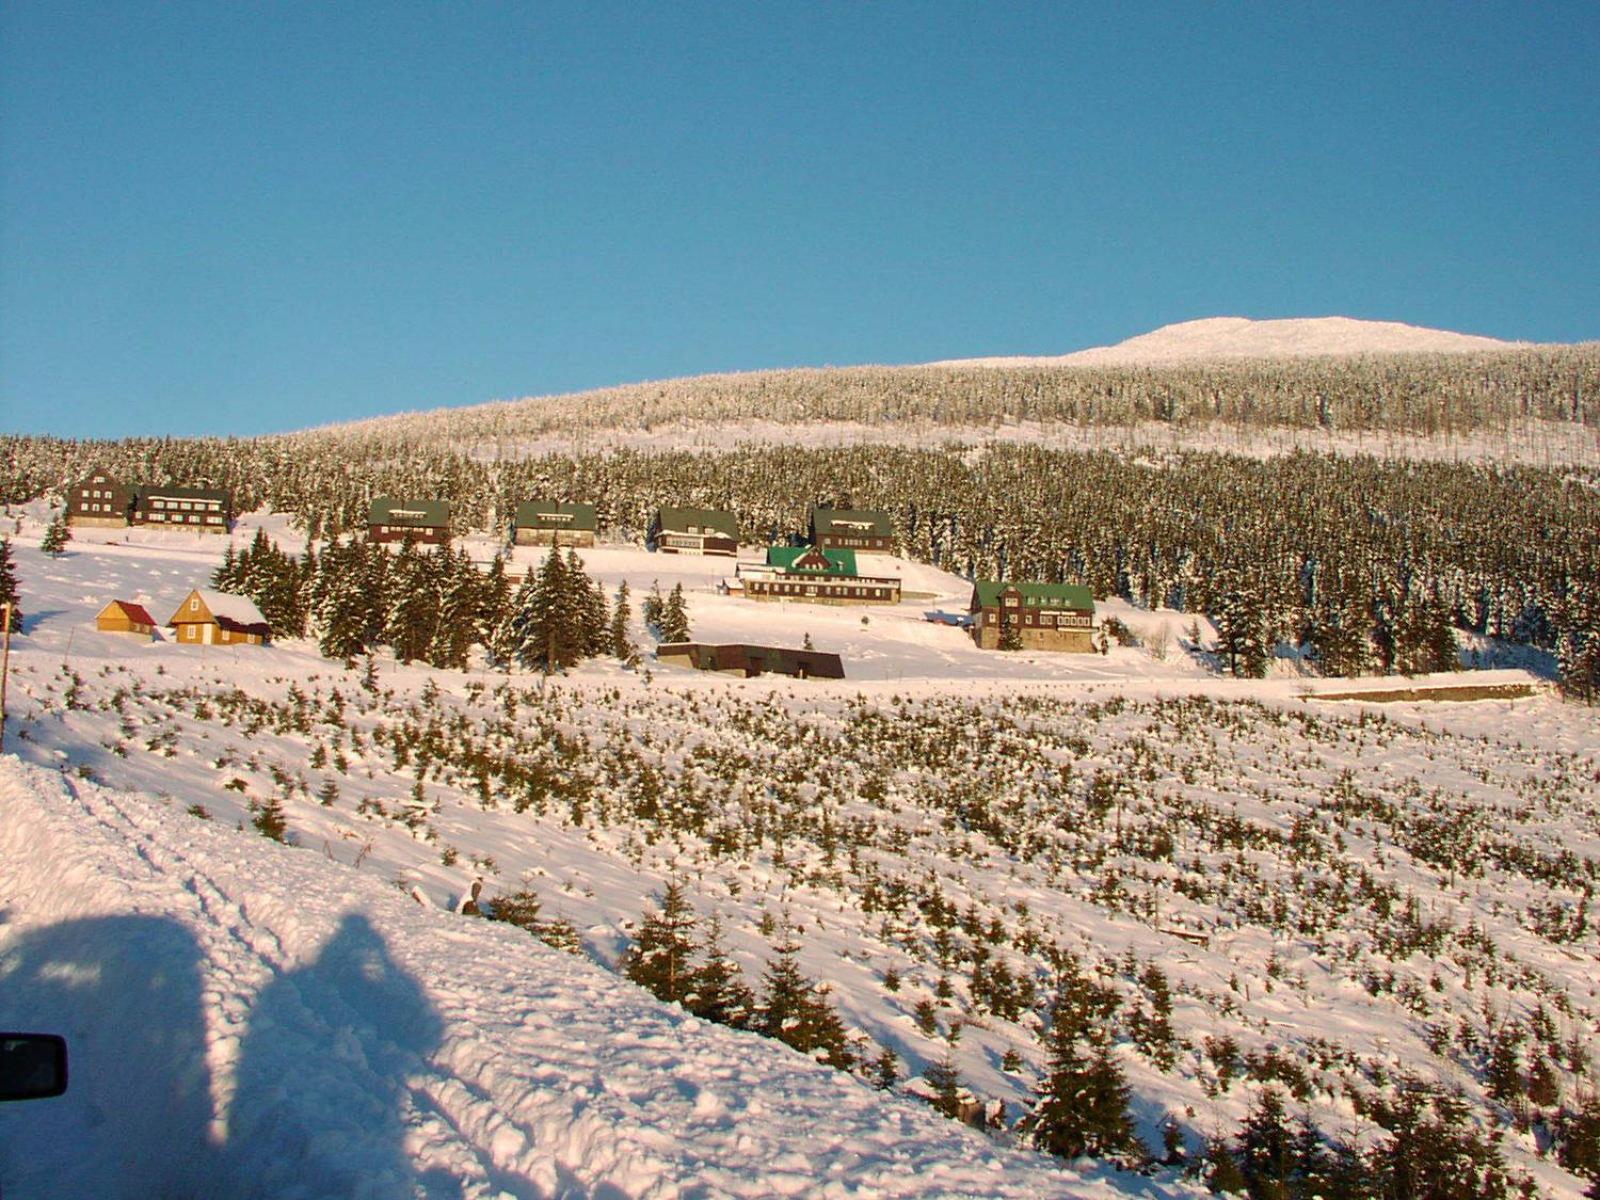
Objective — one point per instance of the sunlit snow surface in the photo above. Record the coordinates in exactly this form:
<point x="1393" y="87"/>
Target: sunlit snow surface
<point x="256" y="1020"/>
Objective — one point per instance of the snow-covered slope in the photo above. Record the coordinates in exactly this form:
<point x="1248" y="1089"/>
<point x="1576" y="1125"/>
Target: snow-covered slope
<point x="254" y="1020"/>
<point x="1240" y="337"/>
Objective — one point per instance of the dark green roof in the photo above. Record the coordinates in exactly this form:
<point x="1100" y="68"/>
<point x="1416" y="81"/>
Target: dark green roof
<point x="541" y="514"/>
<point x="423" y="514"/>
<point x="678" y="520"/>
<point x="843" y="562"/>
<point x="1036" y="595"/>
<point x="848" y="522"/>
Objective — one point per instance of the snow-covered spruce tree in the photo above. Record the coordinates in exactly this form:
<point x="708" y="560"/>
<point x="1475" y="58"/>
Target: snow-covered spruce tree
<point x="1240" y="617"/>
<point x="494" y="608"/>
<point x="660" y="959"/>
<point x="56" y="536"/>
<point x="1267" y="1148"/>
<point x="520" y="908"/>
<point x="553" y="638"/>
<point x="1010" y="632"/>
<point x="1578" y="644"/>
<point x="653" y="607"/>
<point x="9" y="593"/>
<point x="411" y="602"/>
<point x="795" y="1011"/>
<point x="1081" y="1106"/>
<point x="675" y="617"/>
<point x="269" y="820"/>
<point x="343" y="608"/>
<point x="945" y="1081"/>
<point x="720" y="993"/>
<point x="512" y="641"/>
<point x="620" y="646"/>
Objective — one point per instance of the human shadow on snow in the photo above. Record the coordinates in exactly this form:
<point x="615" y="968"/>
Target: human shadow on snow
<point x="136" y="1118"/>
<point x="323" y="1102"/>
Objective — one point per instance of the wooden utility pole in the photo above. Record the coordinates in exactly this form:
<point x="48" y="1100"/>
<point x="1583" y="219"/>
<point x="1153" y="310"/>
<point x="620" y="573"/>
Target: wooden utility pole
<point x="5" y="668"/>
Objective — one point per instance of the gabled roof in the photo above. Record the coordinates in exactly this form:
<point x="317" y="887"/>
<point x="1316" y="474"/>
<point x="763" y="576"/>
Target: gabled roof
<point x="134" y="612"/>
<point x="847" y="522"/>
<point x="89" y="477"/>
<point x="543" y="514"/>
<point x="1036" y="595"/>
<point x="424" y="514"/>
<point x="678" y="520"/>
<point x="237" y="613"/>
<point x="840" y="562"/>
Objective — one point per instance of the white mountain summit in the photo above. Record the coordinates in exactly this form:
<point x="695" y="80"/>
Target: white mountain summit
<point x="1241" y="337"/>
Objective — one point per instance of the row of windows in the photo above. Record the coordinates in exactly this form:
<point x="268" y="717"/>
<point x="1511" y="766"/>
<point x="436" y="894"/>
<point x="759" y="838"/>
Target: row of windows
<point x="187" y="505"/>
<point x="1064" y="620"/>
<point x="181" y="518"/>
<point x="810" y="589"/>
<point x="94" y="494"/>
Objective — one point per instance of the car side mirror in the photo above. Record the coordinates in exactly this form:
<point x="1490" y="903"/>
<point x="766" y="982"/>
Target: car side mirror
<point x="33" y="1066"/>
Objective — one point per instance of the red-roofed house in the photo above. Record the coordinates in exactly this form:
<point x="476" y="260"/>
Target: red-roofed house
<point x="124" y="616"/>
<point x="207" y="617"/>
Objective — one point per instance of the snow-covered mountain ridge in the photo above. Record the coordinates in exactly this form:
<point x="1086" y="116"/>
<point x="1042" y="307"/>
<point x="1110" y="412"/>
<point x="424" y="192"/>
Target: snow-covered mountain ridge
<point x="1217" y="338"/>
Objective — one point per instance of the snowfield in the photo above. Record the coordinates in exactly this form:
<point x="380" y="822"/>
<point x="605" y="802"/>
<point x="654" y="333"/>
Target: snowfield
<point x="1354" y="894"/>
<point x="254" y="1020"/>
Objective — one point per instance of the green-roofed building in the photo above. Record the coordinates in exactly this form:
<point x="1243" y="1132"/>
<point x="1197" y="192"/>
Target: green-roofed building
<point x="695" y="531"/>
<point x="1044" y="616"/>
<point x="852" y="529"/>
<point x="813" y="575"/>
<point x="546" y="523"/>
<point x="392" y="520"/>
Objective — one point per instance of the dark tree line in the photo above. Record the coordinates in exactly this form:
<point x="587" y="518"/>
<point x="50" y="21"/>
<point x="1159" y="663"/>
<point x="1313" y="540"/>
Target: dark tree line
<point x="432" y="606"/>
<point x="1368" y="564"/>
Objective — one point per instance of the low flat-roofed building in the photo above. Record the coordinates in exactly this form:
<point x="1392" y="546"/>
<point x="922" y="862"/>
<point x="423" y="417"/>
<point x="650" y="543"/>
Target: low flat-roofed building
<point x="747" y="661"/>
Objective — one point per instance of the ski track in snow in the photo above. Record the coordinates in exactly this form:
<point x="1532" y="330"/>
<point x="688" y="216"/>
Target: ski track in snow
<point x="270" y="1023"/>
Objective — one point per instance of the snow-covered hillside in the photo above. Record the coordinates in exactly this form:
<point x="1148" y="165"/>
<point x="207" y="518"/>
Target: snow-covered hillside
<point x="1349" y="902"/>
<point x="251" y="1020"/>
<point x="1215" y="338"/>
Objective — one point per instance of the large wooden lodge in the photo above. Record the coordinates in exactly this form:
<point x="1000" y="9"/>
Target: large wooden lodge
<point x="546" y="523"/>
<point x="695" y="531"/>
<point x="393" y="520"/>
<point x="814" y="575"/>
<point x="1045" y="616"/>
<point x="99" y="500"/>
<point x="852" y="529"/>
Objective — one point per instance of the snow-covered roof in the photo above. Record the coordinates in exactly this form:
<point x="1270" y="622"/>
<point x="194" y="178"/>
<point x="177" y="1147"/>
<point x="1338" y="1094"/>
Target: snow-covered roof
<point x="239" y="611"/>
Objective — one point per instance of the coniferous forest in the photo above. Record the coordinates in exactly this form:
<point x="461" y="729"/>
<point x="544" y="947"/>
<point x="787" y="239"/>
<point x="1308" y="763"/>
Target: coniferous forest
<point x="1368" y="563"/>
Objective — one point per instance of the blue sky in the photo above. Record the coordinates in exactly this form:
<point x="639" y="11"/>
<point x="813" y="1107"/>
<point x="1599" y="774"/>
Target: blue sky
<point x="237" y="218"/>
